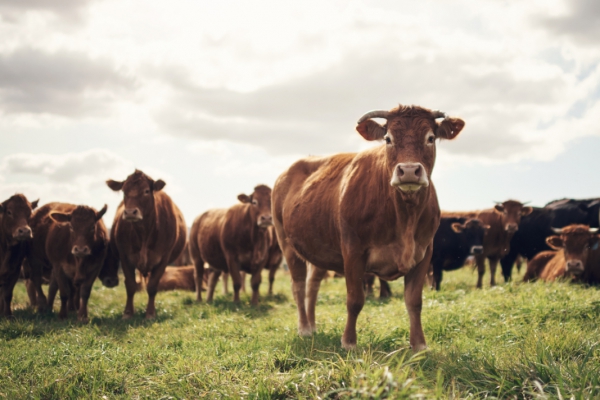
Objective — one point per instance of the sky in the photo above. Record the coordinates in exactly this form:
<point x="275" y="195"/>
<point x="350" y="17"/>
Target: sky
<point x="218" y="97"/>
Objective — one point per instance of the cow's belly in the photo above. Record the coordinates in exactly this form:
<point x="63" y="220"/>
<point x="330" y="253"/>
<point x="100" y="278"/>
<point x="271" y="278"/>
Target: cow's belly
<point x="394" y="260"/>
<point x="145" y="260"/>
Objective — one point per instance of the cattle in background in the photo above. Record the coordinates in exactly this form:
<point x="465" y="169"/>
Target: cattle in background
<point x="184" y="258"/>
<point x="384" y="287"/>
<point x="370" y="212"/>
<point x="148" y="231"/>
<point x="15" y="239"/>
<point x="577" y="255"/>
<point x="73" y="241"/>
<point x="174" y="278"/>
<point x="233" y="240"/>
<point x="530" y="239"/>
<point x="454" y="241"/>
<point x="572" y="211"/>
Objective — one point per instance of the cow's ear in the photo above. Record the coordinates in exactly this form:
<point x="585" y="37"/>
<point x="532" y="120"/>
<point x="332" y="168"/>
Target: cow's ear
<point x="158" y="185"/>
<point x="457" y="227"/>
<point x="449" y="128"/>
<point x="244" y="198"/>
<point x="60" y="217"/>
<point x="115" y="185"/>
<point x="371" y="130"/>
<point x="555" y="242"/>
<point x="34" y="204"/>
<point x="499" y="208"/>
<point x="526" y="210"/>
<point x="101" y="213"/>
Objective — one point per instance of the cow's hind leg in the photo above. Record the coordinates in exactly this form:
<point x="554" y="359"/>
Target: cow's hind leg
<point x="480" y="261"/>
<point x="225" y="283"/>
<point x="493" y="266"/>
<point x="384" y="289"/>
<point x="413" y="298"/>
<point x="272" y="269"/>
<point x="212" y="283"/>
<point x="198" y="277"/>
<point x="298" y="272"/>
<point x="315" y="276"/>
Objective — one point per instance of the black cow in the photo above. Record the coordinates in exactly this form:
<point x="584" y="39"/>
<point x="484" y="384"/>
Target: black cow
<point x="454" y="241"/>
<point x="572" y="211"/>
<point x="530" y="239"/>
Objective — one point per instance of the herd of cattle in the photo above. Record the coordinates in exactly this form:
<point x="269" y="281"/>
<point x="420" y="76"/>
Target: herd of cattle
<point x="367" y="214"/>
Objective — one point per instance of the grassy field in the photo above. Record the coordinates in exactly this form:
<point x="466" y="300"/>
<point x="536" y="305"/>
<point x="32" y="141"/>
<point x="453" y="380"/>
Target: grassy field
<point x="516" y="340"/>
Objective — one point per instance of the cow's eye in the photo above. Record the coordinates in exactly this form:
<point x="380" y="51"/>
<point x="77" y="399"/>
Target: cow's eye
<point x="254" y="202"/>
<point x="388" y="140"/>
<point x="430" y="139"/>
<point x="9" y="213"/>
<point x="147" y="191"/>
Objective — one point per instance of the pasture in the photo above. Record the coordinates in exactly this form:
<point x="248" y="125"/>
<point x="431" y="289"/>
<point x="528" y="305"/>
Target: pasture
<point x="515" y="340"/>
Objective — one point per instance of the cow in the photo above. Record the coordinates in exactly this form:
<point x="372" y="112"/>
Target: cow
<point x="174" y="278"/>
<point x="384" y="287"/>
<point x="529" y="240"/>
<point x="572" y="211"/>
<point x="503" y="221"/>
<point x="233" y="240"/>
<point x="148" y="231"/>
<point x="73" y="240"/>
<point x="455" y="240"/>
<point x="577" y="256"/>
<point x="370" y="212"/>
<point x="15" y="239"/>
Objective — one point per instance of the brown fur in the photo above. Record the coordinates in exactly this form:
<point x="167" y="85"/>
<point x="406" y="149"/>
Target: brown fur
<point x="575" y="243"/>
<point x="174" y="278"/>
<point x="232" y="240"/>
<point x="15" y="214"/>
<point x="185" y="258"/>
<point x="58" y="229"/>
<point x="151" y="243"/>
<point x="496" y="241"/>
<point x="340" y="213"/>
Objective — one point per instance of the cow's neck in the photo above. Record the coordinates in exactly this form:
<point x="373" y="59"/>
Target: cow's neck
<point x="251" y="221"/>
<point x="149" y="226"/>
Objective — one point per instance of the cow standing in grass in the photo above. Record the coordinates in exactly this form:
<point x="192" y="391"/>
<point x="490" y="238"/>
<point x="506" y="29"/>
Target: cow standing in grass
<point x="15" y="239"/>
<point x="73" y="240"/>
<point x="149" y="232"/>
<point x="233" y="240"/>
<point x="375" y="211"/>
<point x="577" y="255"/>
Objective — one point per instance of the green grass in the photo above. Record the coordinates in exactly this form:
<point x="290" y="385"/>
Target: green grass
<point x="513" y="341"/>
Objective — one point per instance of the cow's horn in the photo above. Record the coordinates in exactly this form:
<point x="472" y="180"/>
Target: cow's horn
<point x="557" y="230"/>
<point x="438" y="114"/>
<point x="374" y="114"/>
<point x="593" y="230"/>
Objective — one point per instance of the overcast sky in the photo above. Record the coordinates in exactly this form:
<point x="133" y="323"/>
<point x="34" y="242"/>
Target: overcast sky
<point x="217" y="97"/>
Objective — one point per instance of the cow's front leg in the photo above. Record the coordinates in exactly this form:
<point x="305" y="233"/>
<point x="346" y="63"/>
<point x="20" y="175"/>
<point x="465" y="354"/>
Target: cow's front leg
<point x="130" y="287"/>
<point x="152" y="289"/>
<point x="236" y="276"/>
<point x="255" y="284"/>
<point x="493" y="265"/>
<point x="85" y="289"/>
<point x="413" y="298"/>
<point x="354" y="269"/>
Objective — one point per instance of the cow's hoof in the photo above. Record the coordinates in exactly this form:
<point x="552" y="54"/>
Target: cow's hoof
<point x="150" y="316"/>
<point x="83" y="321"/>
<point x="305" y="331"/>
<point x="419" y="347"/>
<point x="348" y="345"/>
<point x="127" y="316"/>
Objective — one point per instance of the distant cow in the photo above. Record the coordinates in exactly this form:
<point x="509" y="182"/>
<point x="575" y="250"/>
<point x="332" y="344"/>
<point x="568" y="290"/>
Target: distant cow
<point x="572" y="211"/>
<point x="370" y="212"/>
<point x="233" y="240"/>
<point x="148" y="231"/>
<point x="74" y="241"/>
<point x="15" y="239"/>
<point x="455" y="240"/>
<point x="577" y="256"/>
<point x="175" y="278"/>
<point x="530" y="239"/>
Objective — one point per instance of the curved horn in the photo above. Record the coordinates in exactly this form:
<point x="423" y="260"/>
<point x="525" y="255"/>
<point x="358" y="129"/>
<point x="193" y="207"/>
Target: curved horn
<point x="594" y="230"/>
<point x="374" y="114"/>
<point x="438" y="114"/>
<point x="557" y="230"/>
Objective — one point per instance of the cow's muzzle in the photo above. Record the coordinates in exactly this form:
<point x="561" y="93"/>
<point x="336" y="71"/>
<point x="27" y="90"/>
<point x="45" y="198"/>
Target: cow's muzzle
<point x="409" y="177"/>
<point x="477" y="250"/>
<point x="265" y="220"/>
<point x="81" y="251"/>
<point x="132" y="214"/>
<point x="511" y="228"/>
<point x="574" y="267"/>
<point x="110" y="281"/>
<point x="23" y="233"/>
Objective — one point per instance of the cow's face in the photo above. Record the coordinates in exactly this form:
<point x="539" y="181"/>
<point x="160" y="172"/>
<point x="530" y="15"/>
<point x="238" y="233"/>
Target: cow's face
<point x="15" y="213"/>
<point x="409" y="135"/>
<point x="576" y="242"/>
<point x="260" y="202"/>
<point x="471" y="232"/>
<point x="138" y="195"/>
<point x="511" y="212"/>
<point x="82" y="228"/>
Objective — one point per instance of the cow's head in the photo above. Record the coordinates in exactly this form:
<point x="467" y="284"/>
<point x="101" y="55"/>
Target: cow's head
<point x="15" y="213"/>
<point x="260" y="202"/>
<point x="409" y="133"/>
<point x="138" y="195"/>
<point x="576" y="242"/>
<point x="471" y="233"/>
<point x="109" y="274"/>
<point x="511" y="212"/>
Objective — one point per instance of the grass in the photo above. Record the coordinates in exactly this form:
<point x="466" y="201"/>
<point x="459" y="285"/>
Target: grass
<point x="512" y="341"/>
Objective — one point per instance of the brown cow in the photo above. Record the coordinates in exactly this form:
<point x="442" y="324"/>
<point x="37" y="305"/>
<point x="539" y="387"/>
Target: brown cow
<point x="577" y="256"/>
<point x="15" y="239"/>
<point x="174" y="278"/>
<point x="375" y="211"/>
<point x="503" y="221"/>
<point x="149" y="232"/>
<point x="74" y="241"/>
<point x="233" y="240"/>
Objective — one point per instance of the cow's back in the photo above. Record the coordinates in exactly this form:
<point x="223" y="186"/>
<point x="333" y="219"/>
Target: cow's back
<point x="205" y="238"/>
<point x="555" y="267"/>
<point x="537" y="264"/>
